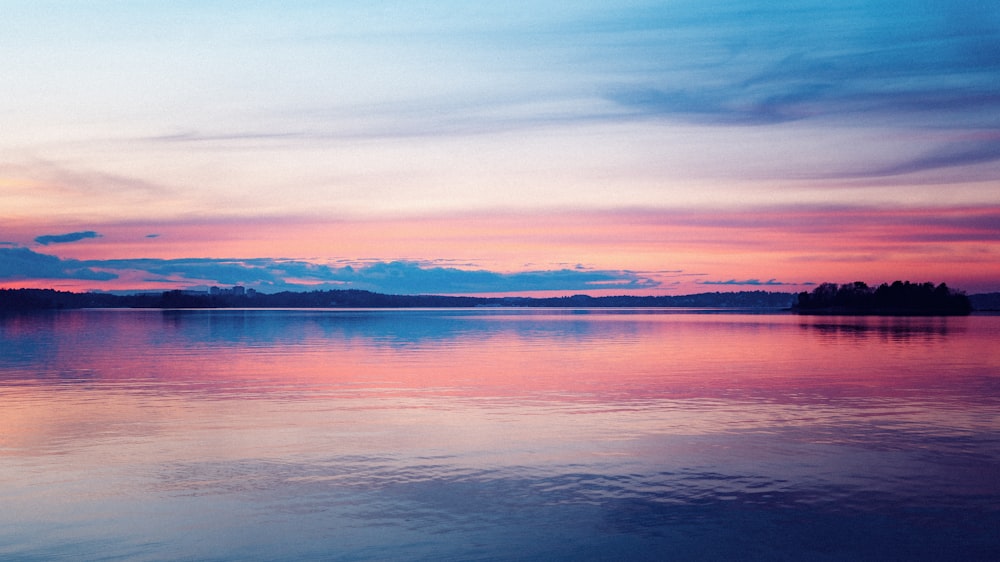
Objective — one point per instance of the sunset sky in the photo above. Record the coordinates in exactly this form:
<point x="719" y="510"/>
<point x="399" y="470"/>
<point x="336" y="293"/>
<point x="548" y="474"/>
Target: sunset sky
<point x="535" y="147"/>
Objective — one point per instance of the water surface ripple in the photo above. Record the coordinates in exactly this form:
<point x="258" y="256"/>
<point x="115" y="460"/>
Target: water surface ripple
<point x="497" y="434"/>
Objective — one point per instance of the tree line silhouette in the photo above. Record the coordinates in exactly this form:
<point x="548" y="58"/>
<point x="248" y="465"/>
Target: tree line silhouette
<point x="48" y="299"/>
<point x="898" y="298"/>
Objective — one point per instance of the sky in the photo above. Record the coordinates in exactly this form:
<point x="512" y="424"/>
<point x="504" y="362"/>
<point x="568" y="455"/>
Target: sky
<point x="541" y="147"/>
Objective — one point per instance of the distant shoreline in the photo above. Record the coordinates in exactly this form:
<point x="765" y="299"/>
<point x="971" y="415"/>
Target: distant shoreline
<point x="50" y="299"/>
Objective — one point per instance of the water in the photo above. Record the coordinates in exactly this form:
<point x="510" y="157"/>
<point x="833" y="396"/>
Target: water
<point x="497" y="434"/>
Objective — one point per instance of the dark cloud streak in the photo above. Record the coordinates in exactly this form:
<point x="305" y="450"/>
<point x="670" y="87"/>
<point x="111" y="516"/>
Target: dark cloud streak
<point x="47" y="239"/>
<point x="751" y="282"/>
<point x="947" y="156"/>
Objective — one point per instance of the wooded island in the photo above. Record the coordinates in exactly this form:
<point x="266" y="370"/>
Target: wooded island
<point x="901" y="298"/>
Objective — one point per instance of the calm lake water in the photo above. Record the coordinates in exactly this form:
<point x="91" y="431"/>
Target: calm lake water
<point x="497" y="434"/>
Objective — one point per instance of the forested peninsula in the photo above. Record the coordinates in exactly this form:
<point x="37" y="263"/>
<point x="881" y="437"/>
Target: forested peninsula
<point x="901" y="298"/>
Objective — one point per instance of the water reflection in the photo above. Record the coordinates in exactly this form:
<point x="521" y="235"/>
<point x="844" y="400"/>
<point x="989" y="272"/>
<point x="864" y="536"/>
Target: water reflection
<point x="383" y="327"/>
<point x="475" y="434"/>
<point x="894" y="328"/>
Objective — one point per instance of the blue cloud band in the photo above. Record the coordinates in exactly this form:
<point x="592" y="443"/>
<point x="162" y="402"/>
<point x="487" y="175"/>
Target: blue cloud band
<point x="396" y="277"/>
<point x="22" y="263"/>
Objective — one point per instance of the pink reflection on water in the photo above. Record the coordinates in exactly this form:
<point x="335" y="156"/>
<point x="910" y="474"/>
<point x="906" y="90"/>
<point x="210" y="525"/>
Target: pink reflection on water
<point x="597" y="356"/>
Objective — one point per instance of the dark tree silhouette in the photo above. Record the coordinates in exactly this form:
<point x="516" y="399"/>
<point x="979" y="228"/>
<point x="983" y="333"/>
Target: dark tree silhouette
<point x="899" y="298"/>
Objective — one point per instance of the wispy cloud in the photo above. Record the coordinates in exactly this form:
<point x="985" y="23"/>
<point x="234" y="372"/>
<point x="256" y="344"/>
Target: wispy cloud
<point x="72" y="181"/>
<point x="962" y="153"/>
<point x="899" y="64"/>
<point x="416" y="119"/>
<point x="761" y="63"/>
<point x="752" y="283"/>
<point x="65" y="192"/>
<point x="47" y="239"/>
